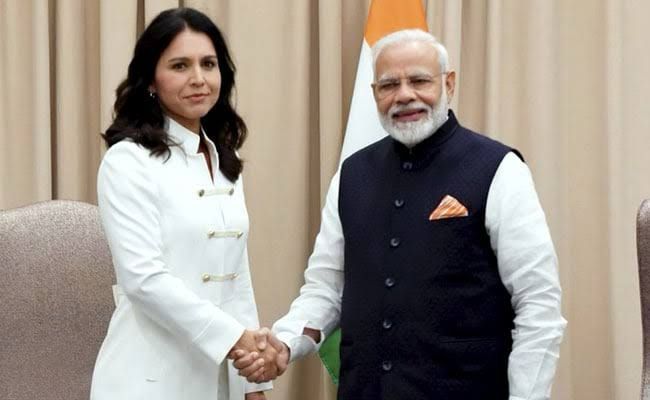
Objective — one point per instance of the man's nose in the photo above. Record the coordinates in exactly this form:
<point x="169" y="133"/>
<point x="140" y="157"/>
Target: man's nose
<point x="405" y="93"/>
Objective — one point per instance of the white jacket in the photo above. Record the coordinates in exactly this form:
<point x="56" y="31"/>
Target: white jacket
<point x="183" y="295"/>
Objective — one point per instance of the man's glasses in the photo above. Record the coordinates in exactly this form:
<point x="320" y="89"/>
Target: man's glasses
<point x="389" y="86"/>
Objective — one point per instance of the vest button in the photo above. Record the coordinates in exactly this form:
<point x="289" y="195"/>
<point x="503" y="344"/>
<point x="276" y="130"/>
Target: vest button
<point x="389" y="282"/>
<point x="394" y="242"/>
<point x="399" y="203"/>
<point x="407" y="165"/>
<point x="387" y="324"/>
<point x="386" y="365"/>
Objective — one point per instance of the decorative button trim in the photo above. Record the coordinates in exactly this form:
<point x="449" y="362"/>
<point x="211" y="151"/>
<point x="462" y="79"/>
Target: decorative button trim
<point x="224" y="234"/>
<point x="399" y="203"/>
<point x="394" y="242"/>
<point x="218" y="278"/>
<point x="389" y="282"/>
<point x="216" y="192"/>
<point x="407" y="165"/>
<point x="386" y="365"/>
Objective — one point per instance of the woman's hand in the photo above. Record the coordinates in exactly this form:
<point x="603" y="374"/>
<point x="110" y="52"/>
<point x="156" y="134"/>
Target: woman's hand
<point x="255" y="396"/>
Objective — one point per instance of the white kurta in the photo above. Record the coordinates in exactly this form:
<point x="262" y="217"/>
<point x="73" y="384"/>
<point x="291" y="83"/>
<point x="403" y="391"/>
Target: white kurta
<point x="527" y="264"/>
<point x="183" y="295"/>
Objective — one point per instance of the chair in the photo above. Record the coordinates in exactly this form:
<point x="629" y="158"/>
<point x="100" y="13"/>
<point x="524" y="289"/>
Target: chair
<point x="55" y="299"/>
<point x="643" y="253"/>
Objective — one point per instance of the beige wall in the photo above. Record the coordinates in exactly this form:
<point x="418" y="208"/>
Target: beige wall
<point x="565" y="82"/>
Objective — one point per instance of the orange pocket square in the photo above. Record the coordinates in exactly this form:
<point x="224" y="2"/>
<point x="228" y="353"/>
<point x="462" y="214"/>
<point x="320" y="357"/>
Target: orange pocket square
<point x="449" y="207"/>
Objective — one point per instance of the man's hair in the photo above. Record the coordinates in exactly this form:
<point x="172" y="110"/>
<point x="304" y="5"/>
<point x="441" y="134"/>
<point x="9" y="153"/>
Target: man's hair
<point x="411" y="35"/>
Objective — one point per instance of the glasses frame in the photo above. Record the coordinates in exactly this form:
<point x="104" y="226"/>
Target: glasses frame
<point x="377" y="90"/>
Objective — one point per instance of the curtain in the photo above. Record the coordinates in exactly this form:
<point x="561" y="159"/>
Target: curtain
<point x="563" y="82"/>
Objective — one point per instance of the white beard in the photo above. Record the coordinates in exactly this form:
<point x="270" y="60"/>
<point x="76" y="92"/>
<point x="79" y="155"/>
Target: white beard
<point x="411" y="133"/>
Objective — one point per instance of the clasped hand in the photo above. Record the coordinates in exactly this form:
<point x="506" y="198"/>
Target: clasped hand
<point x="259" y="356"/>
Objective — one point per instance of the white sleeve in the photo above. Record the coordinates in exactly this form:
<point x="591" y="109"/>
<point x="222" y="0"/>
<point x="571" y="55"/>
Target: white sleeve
<point x="252" y="321"/>
<point x="319" y="304"/>
<point x="527" y="263"/>
<point x="128" y="205"/>
<point x="258" y="387"/>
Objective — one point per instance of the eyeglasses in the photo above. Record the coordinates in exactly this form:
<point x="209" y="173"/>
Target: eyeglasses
<point x="390" y="86"/>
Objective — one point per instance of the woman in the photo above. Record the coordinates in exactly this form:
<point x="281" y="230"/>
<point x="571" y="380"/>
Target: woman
<point x="172" y="206"/>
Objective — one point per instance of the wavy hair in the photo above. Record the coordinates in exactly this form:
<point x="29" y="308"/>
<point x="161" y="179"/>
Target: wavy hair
<point x="140" y="118"/>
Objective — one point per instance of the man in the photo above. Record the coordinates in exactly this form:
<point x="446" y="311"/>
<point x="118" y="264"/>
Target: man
<point x="434" y="256"/>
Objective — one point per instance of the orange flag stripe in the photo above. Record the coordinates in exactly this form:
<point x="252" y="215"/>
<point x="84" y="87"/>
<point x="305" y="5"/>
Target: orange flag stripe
<point x="386" y="16"/>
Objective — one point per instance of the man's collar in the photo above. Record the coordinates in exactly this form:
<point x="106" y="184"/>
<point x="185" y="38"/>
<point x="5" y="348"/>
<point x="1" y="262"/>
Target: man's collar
<point x="433" y="141"/>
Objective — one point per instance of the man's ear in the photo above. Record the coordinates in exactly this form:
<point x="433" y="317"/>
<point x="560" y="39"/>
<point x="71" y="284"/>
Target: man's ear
<point x="374" y="92"/>
<point x="450" y="84"/>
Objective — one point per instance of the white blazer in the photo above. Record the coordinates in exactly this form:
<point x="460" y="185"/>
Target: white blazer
<point x="183" y="295"/>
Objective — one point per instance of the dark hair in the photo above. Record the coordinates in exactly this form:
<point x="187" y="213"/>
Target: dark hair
<point x="139" y="117"/>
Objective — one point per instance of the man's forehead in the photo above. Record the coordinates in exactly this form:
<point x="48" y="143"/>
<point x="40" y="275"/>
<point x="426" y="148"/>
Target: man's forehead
<point x="405" y="54"/>
<point x="412" y="47"/>
<point x="407" y="72"/>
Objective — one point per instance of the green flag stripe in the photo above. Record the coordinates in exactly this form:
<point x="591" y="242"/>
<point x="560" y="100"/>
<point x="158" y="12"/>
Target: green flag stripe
<point x="329" y="354"/>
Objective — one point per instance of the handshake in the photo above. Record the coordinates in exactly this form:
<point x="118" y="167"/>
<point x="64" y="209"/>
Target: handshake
<point x="259" y="355"/>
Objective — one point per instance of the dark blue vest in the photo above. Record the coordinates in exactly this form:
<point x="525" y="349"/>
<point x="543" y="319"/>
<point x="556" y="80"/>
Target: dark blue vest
<point x="424" y="313"/>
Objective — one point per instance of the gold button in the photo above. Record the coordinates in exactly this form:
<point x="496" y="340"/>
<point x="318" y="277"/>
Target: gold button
<point x="206" y="277"/>
<point x="239" y="234"/>
<point x="211" y="234"/>
<point x="201" y="192"/>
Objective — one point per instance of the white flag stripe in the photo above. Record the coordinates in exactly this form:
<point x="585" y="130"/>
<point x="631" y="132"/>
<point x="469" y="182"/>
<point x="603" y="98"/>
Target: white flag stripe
<point x="363" y="126"/>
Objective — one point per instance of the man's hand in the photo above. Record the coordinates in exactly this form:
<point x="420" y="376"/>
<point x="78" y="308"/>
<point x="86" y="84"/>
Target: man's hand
<point x="273" y="358"/>
<point x="248" y="349"/>
<point x="255" y="396"/>
<point x="279" y="352"/>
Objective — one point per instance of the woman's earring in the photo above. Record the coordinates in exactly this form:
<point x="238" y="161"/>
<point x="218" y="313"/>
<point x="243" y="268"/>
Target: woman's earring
<point x="152" y="94"/>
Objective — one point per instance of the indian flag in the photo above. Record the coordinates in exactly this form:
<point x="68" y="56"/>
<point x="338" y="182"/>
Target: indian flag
<point x="364" y="128"/>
